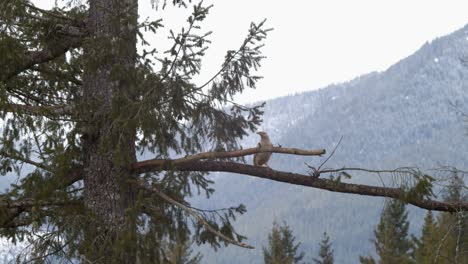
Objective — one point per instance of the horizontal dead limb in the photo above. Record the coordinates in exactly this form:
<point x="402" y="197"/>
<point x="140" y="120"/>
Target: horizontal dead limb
<point x="298" y="179"/>
<point x="165" y="164"/>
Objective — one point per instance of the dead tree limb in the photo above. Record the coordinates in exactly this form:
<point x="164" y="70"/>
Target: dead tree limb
<point x="298" y="179"/>
<point x="200" y="219"/>
<point x="158" y="163"/>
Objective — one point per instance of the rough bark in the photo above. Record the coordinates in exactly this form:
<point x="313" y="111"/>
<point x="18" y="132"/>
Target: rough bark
<point x="109" y="147"/>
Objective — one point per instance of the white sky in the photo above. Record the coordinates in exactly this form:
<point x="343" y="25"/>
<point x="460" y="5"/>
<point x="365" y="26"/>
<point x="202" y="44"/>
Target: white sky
<point x="319" y="42"/>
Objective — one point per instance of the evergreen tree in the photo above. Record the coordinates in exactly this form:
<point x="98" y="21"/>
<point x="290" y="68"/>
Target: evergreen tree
<point x="366" y="260"/>
<point x="452" y="245"/>
<point x="426" y="246"/>
<point x="79" y="101"/>
<point x="282" y="248"/>
<point x="325" y="252"/>
<point x="179" y="252"/>
<point x="391" y="235"/>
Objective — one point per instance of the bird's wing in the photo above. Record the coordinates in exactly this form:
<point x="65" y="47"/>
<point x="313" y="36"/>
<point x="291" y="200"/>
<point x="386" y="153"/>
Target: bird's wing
<point x="261" y="158"/>
<point x="255" y="160"/>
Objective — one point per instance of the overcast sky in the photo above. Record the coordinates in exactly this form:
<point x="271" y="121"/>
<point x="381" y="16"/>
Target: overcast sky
<point x="319" y="42"/>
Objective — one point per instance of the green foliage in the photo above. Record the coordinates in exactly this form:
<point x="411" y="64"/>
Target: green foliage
<point x="282" y="248"/>
<point x="325" y="252"/>
<point x="443" y="239"/>
<point x="426" y="245"/>
<point x="366" y="260"/>
<point x="452" y="232"/>
<point x="391" y="235"/>
<point x="155" y="100"/>
<point x="421" y="188"/>
<point x="180" y="253"/>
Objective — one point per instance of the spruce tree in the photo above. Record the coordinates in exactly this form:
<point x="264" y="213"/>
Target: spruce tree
<point x="452" y="245"/>
<point x="426" y="245"/>
<point x="325" y="252"/>
<point x="282" y="248"/>
<point x="391" y="241"/>
<point x="179" y="252"/>
<point x="79" y="102"/>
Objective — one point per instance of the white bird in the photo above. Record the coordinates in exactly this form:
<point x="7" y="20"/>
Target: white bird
<point x="261" y="159"/>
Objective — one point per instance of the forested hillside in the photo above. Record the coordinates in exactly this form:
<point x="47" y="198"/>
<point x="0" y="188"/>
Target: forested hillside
<point x="408" y="115"/>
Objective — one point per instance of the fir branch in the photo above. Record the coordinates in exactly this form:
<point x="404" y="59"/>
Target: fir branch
<point x="31" y="58"/>
<point x="15" y="208"/>
<point x="28" y="203"/>
<point x="43" y="110"/>
<point x="43" y="69"/>
<point x="25" y="160"/>
<point x="45" y="12"/>
<point x="41" y="258"/>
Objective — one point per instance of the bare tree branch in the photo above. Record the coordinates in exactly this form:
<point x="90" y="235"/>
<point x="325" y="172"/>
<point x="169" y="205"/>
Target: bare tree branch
<point x="196" y="216"/>
<point x="316" y="172"/>
<point x="299" y="179"/>
<point x="158" y="163"/>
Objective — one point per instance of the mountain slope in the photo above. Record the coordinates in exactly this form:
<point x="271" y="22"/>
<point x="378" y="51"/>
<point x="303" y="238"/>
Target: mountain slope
<point x="404" y="116"/>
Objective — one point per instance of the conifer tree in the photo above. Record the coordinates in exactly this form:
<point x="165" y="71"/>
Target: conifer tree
<point x="179" y="252"/>
<point x="282" y="248"/>
<point x="79" y="103"/>
<point x="391" y="242"/>
<point x="452" y="245"/>
<point x="426" y="245"/>
<point x="325" y="251"/>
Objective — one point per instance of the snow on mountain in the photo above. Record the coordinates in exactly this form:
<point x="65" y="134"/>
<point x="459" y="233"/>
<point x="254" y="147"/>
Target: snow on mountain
<point x="408" y="115"/>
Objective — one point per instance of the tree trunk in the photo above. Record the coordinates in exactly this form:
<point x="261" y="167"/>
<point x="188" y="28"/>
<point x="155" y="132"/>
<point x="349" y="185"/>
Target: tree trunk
<point x="108" y="142"/>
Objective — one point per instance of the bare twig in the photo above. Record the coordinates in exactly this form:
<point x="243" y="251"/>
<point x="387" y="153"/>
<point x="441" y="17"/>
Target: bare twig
<point x="440" y="244"/>
<point x="196" y="216"/>
<point x="316" y="172"/>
